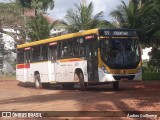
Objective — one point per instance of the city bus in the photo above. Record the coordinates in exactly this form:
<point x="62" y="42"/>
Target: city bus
<point x="91" y="57"/>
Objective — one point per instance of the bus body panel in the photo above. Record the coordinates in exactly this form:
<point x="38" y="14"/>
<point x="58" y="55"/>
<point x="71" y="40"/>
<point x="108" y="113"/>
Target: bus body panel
<point x="65" y="70"/>
<point x="20" y="75"/>
<point x="42" y="68"/>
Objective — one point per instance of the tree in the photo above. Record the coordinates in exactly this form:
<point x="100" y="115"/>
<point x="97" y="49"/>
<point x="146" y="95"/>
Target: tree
<point x="11" y="17"/>
<point x="128" y="16"/>
<point x="38" y="28"/>
<point x="151" y="22"/>
<point x="38" y="5"/>
<point x="82" y="18"/>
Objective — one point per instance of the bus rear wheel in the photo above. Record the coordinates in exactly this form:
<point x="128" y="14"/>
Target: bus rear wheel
<point x="68" y="85"/>
<point x="83" y="85"/>
<point x="37" y="81"/>
<point x="116" y="85"/>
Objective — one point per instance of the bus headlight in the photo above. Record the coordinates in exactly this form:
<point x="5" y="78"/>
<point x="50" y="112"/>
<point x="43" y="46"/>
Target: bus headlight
<point x="104" y="69"/>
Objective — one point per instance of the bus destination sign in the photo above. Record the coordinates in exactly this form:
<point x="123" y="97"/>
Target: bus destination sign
<point x="118" y="33"/>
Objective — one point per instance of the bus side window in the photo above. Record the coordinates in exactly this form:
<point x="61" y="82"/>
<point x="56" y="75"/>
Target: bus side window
<point x="20" y="56"/>
<point x="36" y="53"/>
<point x="44" y="53"/>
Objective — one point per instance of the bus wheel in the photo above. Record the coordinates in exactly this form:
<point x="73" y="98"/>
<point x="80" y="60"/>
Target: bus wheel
<point x="68" y="85"/>
<point x="83" y="85"/>
<point x="37" y="81"/>
<point x="116" y="85"/>
<point x="45" y="85"/>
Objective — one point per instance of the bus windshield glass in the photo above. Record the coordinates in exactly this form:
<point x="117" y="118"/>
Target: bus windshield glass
<point x="118" y="53"/>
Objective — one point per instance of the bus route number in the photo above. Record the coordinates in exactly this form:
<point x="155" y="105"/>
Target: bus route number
<point x="106" y="32"/>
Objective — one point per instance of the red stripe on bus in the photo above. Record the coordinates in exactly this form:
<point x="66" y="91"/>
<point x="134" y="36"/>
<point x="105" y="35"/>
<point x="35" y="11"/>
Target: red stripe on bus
<point x="21" y="66"/>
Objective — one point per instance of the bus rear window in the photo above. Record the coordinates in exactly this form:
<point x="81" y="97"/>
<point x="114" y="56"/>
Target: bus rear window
<point x="20" y="56"/>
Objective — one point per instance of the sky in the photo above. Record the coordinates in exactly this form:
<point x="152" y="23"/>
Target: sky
<point x="61" y="6"/>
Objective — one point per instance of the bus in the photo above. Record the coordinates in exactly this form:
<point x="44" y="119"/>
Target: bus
<point x="91" y="57"/>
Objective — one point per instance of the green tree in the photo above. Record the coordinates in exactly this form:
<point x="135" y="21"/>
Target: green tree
<point x="38" y="5"/>
<point x="128" y="16"/>
<point x="151" y="22"/>
<point x="38" y="28"/>
<point x="82" y="18"/>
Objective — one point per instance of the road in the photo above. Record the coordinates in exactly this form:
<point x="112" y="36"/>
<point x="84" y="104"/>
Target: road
<point x="132" y="96"/>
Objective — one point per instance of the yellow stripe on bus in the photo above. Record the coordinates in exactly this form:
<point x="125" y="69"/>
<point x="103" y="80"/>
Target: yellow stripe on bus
<point x="59" y="38"/>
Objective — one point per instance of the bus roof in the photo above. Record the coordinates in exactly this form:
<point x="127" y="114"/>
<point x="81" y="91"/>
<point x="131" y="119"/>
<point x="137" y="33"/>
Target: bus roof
<point x="72" y="35"/>
<point x="58" y="38"/>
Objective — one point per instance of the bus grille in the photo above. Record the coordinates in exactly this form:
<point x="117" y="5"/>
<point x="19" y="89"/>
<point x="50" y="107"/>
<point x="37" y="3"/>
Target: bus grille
<point x="129" y="77"/>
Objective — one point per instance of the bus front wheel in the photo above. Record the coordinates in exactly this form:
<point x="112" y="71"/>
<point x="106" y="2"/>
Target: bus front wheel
<point x="83" y="85"/>
<point x="37" y="81"/>
<point x="116" y="85"/>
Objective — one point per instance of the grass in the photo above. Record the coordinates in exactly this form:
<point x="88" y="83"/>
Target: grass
<point x="7" y="77"/>
<point x="151" y="76"/>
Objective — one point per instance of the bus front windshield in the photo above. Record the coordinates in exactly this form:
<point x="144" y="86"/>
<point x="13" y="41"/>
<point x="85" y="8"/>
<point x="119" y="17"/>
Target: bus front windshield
<point x="120" y="53"/>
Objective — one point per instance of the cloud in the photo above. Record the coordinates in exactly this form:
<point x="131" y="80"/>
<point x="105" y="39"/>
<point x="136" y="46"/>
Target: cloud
<point x="61" y="6"/>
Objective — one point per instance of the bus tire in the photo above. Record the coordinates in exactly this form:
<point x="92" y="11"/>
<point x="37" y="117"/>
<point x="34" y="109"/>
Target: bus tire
<point x="37" y="82"/>
<point x="68" y="85"/>
<point x="116" y="85"/>
<point x="83" y="85"/>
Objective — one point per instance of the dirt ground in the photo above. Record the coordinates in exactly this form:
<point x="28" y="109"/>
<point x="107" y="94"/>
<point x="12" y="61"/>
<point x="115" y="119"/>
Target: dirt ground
<point x="131" y="98"/>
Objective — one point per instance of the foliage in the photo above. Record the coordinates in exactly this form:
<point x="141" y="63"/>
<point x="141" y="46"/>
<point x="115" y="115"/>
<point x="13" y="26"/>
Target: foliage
<point x="151" y="76"/>
<point x="38" y="28"/>
<point x="82" y="18"/>
<point x="10" y="14"/>
<point x="11" y="17"/>
<point x="37" y="4"/>
<point x="151" y="22"/>
<point x="128" y="16"/>
<point x="155" y="57"/>
<point x="150" y="72"/>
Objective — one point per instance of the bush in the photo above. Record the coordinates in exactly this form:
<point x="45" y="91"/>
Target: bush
<point x="150" y="76"/>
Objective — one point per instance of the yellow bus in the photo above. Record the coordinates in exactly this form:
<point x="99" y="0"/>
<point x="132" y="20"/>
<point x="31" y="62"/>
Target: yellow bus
<point x="90" y="57"/>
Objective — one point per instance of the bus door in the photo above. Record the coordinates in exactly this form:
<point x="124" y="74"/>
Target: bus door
<point x="26" y="63"/>
<point x="92" y="57"/>
<point x="53" y="58"/>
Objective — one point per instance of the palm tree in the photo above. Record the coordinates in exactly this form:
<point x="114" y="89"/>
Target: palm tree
<point x="128" y="16"/>
<point x="82" y="18"/>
